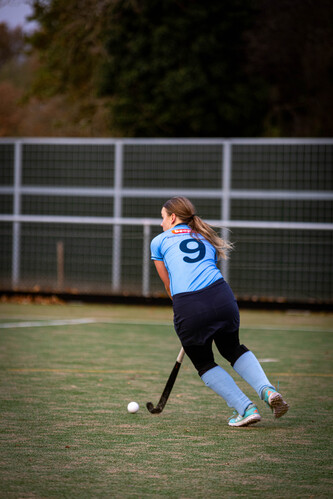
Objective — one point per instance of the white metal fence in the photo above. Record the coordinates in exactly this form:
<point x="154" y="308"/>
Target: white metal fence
<point x="77" y="215"/>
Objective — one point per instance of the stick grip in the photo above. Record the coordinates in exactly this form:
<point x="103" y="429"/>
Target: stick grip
<point x="181" y="355"/>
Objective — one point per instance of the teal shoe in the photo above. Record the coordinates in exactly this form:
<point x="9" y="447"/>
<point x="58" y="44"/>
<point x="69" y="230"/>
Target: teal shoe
<point x="275" y="402"/>
<point x="251" y="416"/>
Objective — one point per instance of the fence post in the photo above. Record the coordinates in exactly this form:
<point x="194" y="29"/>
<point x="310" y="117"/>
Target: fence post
<point x="146" y="260"/>
<point x="225" y="205"/>
<point x="16" y="262"/>
<point x="60" y="265"/>
<point x="117" y="212"/>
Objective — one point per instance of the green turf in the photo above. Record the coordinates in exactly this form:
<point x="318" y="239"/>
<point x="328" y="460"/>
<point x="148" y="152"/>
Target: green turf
<point x="65" y="431"/>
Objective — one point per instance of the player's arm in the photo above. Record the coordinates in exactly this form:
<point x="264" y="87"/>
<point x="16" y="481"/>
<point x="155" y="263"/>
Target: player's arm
<point x="163" y="273"/>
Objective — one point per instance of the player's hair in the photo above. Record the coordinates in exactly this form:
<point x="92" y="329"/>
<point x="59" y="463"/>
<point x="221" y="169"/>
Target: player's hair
<point x="185" y="211"/>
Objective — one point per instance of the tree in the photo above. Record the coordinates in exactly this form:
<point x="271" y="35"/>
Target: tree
<point x="291" y="48"/>
<point x="69" y="47"/>
<point x="177" y="68"/>
<point x="25" y="114"/>
<point x="10" y="113"/>
<point x="186" y="68"/>
<point x="165" y="68"/>
<point x="11" y="43"/>
<point x="69" y="44"/>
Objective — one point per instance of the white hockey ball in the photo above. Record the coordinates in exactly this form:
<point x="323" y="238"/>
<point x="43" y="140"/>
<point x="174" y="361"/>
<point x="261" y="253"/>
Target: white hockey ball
<point x="133" y="407"/>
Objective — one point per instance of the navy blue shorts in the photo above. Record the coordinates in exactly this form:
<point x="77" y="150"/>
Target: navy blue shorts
<point x="199" y="315"/>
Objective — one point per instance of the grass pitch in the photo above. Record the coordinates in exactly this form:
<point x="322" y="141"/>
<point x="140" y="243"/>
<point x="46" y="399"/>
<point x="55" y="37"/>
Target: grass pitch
<point x="65" y="431"/>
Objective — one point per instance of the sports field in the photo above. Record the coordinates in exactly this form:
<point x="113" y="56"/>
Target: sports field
<point x="69" y="371"/>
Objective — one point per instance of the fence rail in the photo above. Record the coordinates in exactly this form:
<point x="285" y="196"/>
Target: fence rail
<point x="76" y="214"/>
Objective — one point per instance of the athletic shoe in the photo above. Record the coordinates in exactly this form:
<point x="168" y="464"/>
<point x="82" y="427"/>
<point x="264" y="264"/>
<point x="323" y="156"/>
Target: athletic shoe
<point x="251" y="416"/>
<point x="275" y="402"/>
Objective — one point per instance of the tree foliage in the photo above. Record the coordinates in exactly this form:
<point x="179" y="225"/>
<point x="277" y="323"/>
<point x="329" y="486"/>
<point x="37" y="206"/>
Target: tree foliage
<point x="11" y="43"/>
<point x="186" y="68"/>
<point x="69" y="44"/>
<point x="291" y="48"/>
<point x="24" y="114"/>
<point x="178" y="69"/>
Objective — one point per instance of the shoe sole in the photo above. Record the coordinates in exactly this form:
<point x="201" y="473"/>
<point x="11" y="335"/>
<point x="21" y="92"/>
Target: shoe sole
<point x="254" y="418"/>
<point x="278" y="405"/>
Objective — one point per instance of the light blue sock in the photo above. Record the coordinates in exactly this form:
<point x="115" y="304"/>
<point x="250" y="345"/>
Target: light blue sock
<point x="222" y="383"/>
<point x="248" y="367"/>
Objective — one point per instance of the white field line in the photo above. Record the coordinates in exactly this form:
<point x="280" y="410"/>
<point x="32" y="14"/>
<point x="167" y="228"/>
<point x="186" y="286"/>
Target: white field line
<point x="268" y="360"/>
<point x="75" y="370"/>
<point x="286" y="328"/>
<point x="65" y="322"/>
<point x="68" y="322"/>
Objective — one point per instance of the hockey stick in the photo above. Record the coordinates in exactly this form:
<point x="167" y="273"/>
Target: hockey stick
<point x="168" y="387"/>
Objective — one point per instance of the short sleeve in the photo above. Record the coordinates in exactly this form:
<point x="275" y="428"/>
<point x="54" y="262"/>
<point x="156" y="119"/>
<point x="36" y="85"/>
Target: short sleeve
<point x="155" y="249"/>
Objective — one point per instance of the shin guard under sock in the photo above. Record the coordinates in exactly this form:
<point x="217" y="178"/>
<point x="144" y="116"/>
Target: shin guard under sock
<point x="222" y="383"/>
<point x="248" y="367"/>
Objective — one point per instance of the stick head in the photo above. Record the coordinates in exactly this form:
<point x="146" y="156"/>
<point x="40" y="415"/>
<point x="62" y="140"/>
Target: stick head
<point x="152" y="409"/>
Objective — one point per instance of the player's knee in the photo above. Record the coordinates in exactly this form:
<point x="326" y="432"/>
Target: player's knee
<point x="203" y="369"/>
<point x="232" y="354"/>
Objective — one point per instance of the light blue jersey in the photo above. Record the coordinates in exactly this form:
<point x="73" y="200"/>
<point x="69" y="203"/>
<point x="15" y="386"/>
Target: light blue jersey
<point x="190" y="262"/>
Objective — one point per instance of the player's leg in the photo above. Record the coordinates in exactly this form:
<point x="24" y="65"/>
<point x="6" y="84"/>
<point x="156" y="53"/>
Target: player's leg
<point x="196" y="319"/>
<point x="241" y="359"/>
<point x="221" y="382"/>
<point x="248" y="367"/>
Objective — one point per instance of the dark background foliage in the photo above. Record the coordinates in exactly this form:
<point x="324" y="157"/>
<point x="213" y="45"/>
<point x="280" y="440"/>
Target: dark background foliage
<point x="173" y="68"/>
